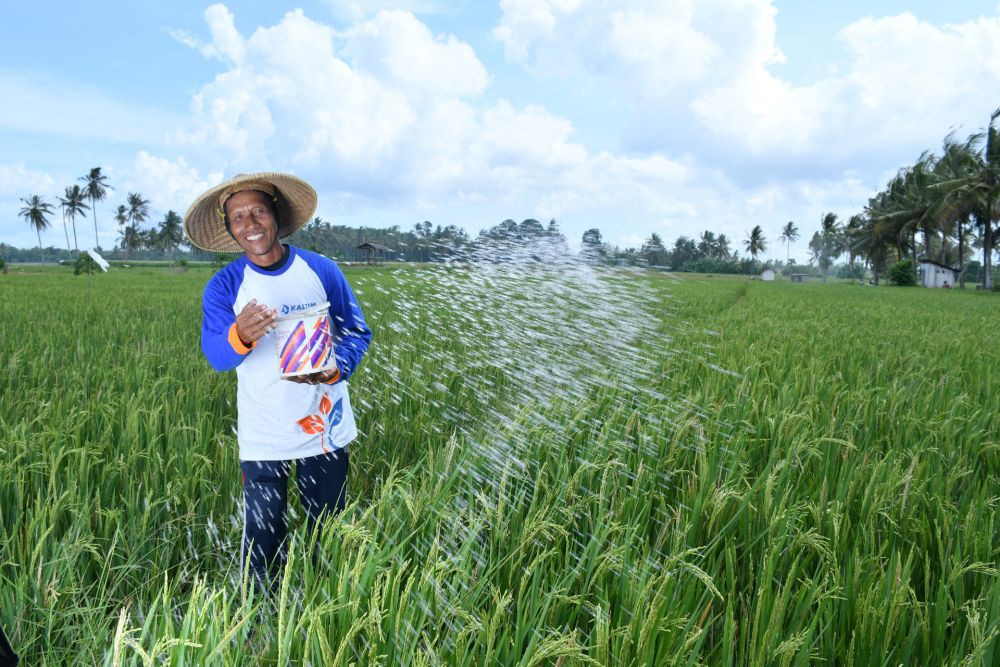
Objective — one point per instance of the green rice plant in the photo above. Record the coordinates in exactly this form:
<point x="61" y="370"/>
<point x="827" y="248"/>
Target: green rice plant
<point x="762" y="474"/>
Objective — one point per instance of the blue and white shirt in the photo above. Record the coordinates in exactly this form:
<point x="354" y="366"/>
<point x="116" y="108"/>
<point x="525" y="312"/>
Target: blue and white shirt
<point x="279" y="419"/>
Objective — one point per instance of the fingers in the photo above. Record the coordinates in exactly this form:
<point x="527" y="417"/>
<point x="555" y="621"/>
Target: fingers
<point x="255" y="321"/>
<point x="313" y="378"/>
<point x="303" y="379"/>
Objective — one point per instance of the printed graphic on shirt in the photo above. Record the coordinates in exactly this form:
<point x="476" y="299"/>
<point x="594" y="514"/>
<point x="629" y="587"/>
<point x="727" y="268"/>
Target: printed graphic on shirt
<point x="329" y="416"/>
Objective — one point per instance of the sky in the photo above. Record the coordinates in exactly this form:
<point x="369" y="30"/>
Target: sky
<point x="632" y="116"/>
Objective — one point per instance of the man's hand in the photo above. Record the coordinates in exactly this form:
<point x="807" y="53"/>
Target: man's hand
<point x="322" y="377"/>
<point x="255" y="321"/>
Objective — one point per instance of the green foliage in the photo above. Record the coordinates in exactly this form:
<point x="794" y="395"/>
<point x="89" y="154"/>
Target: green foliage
<point x="825" y="495"/>
<point x="850" y="272"/>
<point x="85" y="264"/>
<point x="934" y="205"/>
<point x="755" y="242"/>
<point x="971" y="272"/>
<point x="903" y="273"/>
<point x="3" y="265"/>
<point x="654" y="252"/>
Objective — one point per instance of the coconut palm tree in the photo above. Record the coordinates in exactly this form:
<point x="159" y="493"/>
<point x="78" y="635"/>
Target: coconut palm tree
<point x="755" y="242"/>
<point x="707" y="245"/>
<point x="910" y="205"/>
<point x="654" y="251"/>
<point x="849" y="235"/>
<point x="955" y="172"/>
<point x="989" y="188"/>
<point x="96" y="189"/>
<point x="129" y="237"/>
<point x="138" y="211"/>
<point x="829" y="242"/>
<point x="36" y="212"/>
<point x="980" y="189"/>
<point x="789" y="233"/>
<point x="72" y="204"/>
<point x="121" y="217"/>
<point x="872" y="240"/>
<point x="723" y="247"/>
<point x="171" y="232"/>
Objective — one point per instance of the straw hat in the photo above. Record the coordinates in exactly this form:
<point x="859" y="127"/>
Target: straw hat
<point x="204" y="223"/>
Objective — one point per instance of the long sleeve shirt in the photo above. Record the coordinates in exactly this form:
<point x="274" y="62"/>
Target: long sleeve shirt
<point x="279" y="419"/>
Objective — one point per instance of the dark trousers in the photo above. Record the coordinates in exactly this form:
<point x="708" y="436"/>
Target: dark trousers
<point x="7" y="656"/>
<point x="322" y="482"/>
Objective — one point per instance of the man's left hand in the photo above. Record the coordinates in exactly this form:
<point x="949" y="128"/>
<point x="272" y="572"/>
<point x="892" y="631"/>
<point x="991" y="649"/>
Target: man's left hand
<point x="322" y="377"/>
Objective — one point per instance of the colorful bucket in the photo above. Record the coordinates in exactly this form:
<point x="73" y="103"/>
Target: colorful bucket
<point x="305" y="342"/>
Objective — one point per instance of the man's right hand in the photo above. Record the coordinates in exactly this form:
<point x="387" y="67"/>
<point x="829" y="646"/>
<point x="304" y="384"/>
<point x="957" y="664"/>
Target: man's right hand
<point x="255" y="321"/>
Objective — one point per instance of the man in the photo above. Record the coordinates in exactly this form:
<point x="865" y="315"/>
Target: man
<point x="305" y="419"/>
<point x="7" y="656"/>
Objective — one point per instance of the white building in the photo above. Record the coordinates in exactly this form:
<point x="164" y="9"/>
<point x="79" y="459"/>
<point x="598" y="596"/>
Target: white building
<point x="933" y="274"/>
<point x="767" y="274"/>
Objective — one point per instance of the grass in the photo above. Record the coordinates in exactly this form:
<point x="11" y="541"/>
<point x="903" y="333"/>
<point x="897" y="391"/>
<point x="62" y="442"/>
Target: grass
<point x="783" y="474"/>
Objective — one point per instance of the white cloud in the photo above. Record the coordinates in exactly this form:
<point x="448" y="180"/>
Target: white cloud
<point x="648" y="45"/>
<point x="168" y="184"/>
<point x="701" y="75"/>
<point x="353" y="11"/>
<point x="386" y="115"/>
<point x="399" y="50"/>
<point x="881" y="101"/>
<point x="393" y="122"/>
<point x="17" y="180"/>
<point x="384" y="110"/>
<point x="226" y="44"/>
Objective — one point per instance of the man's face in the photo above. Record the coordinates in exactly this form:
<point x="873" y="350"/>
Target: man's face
<point x="253" y="224"/>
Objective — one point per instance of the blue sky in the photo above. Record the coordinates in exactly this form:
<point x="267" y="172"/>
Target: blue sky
<point x="638" y="116"/>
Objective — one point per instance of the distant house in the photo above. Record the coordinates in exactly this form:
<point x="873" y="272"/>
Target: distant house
<point x="767" y="274"/>
<point x="373" y="253"/>
<point x="800" y="277"/>
<point x="934" y="274"/>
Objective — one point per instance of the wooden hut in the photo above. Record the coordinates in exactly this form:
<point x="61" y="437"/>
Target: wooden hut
<point x="373" y="253"/>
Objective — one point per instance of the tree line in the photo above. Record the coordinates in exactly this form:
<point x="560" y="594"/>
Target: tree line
<point x="76" y="200"/>
<point x="941" y="208"/>
<point x="707" y="253"/>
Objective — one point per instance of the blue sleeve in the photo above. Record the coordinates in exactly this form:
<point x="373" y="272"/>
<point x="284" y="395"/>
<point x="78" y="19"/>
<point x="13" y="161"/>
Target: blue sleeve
<point x="352" y="335"/>
<point x="219" y="341"/>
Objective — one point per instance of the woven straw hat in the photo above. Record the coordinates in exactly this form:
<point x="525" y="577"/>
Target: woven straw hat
<point x="205" y="223"/>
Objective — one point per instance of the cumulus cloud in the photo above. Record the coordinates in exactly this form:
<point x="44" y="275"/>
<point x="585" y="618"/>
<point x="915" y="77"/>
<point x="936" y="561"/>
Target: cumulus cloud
<point x="708" y="68"/>
<point x="168" y="184"/>
<point x="385" y="110"/>
<point x="387" y="114"/>
<point x="882" y="101"/>
<point x="18" y="180"/>
<point x="226" y="43"/>
<point x="649" y="45"/>
<point x="399" y="50"/>
<point x="353" y="11"/>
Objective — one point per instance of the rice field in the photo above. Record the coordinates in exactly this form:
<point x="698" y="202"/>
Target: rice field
<point x="556" y="466"/>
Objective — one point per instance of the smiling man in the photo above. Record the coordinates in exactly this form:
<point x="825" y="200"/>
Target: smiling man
<point x="303" y="419"/>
